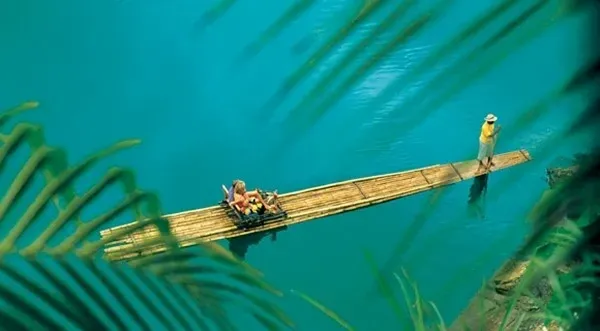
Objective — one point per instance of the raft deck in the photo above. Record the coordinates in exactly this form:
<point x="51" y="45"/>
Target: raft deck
<point x="213" y="223"/>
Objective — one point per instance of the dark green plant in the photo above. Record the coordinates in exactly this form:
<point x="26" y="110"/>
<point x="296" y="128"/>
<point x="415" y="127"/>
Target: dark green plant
<point x="561" y="257"/>
<point x="365" y="11"/>
<point x="335" y="317"/>
<point x="213" y="14"/>
<point x="562" y="241"/>
<point x="321" y="87"/>
<point x="414" y="27"/>
<point x="62" y="279"/>
<point x="297" y="9"/>
<point x="474" y="27"/>
<point x="474" y="65"/>
<point x="423" y="315"/>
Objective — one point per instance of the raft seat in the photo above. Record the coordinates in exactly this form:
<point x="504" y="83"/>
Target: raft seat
<point x="246" y="222"/>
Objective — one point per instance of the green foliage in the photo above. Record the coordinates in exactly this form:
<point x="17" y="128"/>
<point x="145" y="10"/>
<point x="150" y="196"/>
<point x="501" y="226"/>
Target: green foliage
<point x="321" y="87"/>
<point x="568" y="242"/>
<point x="418" y="308"/>
<point x="214" y="13"/>
<point x="324" y="310"/>
<point x="556" y="288"/>
<point x="366" y="10"/>
<point x="59" y="277"/>
<point x="441" y="53"/>
<point x="299" y="7"/>
<point x="424" y="315"/>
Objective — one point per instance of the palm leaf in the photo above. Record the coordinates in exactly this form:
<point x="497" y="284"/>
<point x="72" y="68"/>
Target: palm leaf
<point x="69" y="193"/>
<point x="320" y="88"/>
<point x="472" y="70"/>
<point x="367" y="9"/>
<point x="400" y="38"/>
<point x="213" y="14"/>
<point x="384" y="287"/>
<point x="460" y="66"/>
<point x="474" y="27"/>
<point x="297" y="9"/>
<point x="104" y="301"/>
<point x="77" y="284"/>
<point x="324" y="310"/>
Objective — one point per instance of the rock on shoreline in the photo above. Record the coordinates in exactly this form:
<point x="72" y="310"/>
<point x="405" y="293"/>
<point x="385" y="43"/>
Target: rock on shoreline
<point x="487" y="309"/>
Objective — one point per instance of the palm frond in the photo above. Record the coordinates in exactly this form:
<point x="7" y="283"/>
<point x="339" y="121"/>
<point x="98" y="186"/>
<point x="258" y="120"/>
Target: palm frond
<point x="384" y="287"/>
<point x="213" y="14"/>
<point x="474" y="27"/>
<point x="95" y="294"/>
<point x="365" y="11"/>
<point x="475" y="65"/>
<point x="423" y="315"/>
<point x="400" y="38"/>
<point x="347" y="58"/>
<point x="459" y="67"/>
<point x="297" y="9"/>
<point x="324" y="310"/>
<point x="181" y="290"/>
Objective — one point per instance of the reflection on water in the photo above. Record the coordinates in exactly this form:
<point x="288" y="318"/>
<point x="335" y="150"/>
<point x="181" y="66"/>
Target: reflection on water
<point x="239" y="245"/>
<point x="477" y="194"/>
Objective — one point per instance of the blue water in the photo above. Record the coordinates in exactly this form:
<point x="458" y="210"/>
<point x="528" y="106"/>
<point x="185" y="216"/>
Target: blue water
<point x="111" y="70"/>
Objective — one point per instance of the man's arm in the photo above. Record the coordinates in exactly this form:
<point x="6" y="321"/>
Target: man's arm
<point x="496" y="130"/>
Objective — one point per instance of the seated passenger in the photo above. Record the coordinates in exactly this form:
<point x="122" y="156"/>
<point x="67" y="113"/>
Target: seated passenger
<point x="248" y="202"/>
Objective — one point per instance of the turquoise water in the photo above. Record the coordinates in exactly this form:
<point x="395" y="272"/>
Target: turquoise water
<point x="109" y="70"/>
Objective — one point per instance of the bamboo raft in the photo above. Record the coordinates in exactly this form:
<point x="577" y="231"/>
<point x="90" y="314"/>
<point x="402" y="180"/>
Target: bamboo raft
<point x="213" y="223"/>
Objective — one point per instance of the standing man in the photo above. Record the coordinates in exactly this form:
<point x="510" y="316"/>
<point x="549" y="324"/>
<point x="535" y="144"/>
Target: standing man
<point x="487" y="141"/>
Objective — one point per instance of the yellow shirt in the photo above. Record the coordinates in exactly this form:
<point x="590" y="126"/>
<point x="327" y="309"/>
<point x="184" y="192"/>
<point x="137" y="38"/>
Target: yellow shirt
<point x="486" y="133"/>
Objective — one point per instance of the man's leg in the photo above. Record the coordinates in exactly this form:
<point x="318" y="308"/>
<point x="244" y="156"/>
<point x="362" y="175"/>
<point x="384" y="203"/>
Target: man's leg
<point x="490" y="162"/>
<point x="483" y="164"/>
<point x="480" y="157"/>
<point x="491" y="154"/>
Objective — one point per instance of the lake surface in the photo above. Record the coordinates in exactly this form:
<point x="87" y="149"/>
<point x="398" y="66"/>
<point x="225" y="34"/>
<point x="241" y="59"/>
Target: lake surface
<point x="111" y="70"/>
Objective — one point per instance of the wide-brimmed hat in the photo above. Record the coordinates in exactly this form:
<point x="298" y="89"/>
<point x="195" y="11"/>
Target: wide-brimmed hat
<point x="491" y="118"/>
